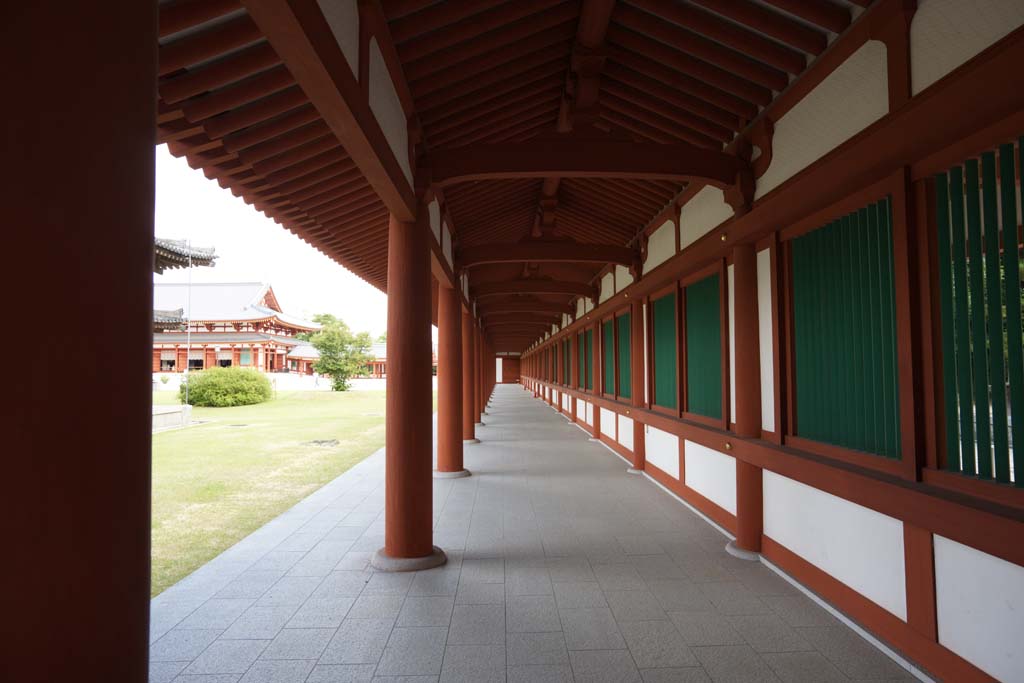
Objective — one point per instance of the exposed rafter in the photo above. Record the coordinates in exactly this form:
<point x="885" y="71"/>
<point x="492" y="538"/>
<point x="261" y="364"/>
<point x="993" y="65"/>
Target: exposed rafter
<point x="541" y="251"/>
<point x="522" y="304"/>
<point x="533" y="286"/>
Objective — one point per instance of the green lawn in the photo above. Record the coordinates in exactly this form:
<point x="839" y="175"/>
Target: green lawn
<point x="215" y="483"/>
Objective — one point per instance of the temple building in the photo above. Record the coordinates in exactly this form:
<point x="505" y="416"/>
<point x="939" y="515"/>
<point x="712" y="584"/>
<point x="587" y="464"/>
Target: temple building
<point x="232" y="324"/>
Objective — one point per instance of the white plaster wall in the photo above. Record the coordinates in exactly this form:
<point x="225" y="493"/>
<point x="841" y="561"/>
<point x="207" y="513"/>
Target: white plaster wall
<point x="623" y="278"/>
<point x="566" y="402"/>
<point x="343" y="18"/>
<point x="608" y="423"/>
<point x="497" y="368"/>
<point x="705" y="211"/>
<point x="554" y="328"/>
<point x="766" y="339"/>
<point x="980" y="607"/>
<point x="555" y="396"/>
<point x="607" y="288"/>
<point x="446" y="244"/>
<point x="590" y="413"/>
<point x="387" y="109"/>
<point x="946" y="33"/>
<point x="465" y="288"/>
<point x="579" y="308"/>
<point x="625" y="431"/>
<point x="661" y="246"/>
<point x="731" y="280"/>
<point x="662" y="450"/>
<point x="866" y="553"/>
<point x="588" y="305"/>
<point x="850" y="99"/>
<point x="434" y="213"/>
<point x="711" y="474"/>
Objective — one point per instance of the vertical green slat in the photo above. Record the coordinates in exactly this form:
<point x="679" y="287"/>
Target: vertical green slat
<point x="894" y="392"/>
<point x="842" y="341"/>
<point x="874" y="366"/>
<point x="821" y="341"/>
<point x="664" y="332"/>
<point x="976" y="311"/>
<point x="886" y="326"/>
<point x="963" y="349"/>
<point x="948" y="334"/>
<point x="1011" y="266"/>
<point x="624" y="331"/>
<point x="590" y="359"/>
<point x="581" y="362"/>
<point x="994" y="310"/>
<point x="800" y="292"/>
<point x="608" y="355"/>
<point x="704" y="348"/>
<point x="853" y="380"/>
<point x="861" y="332"/>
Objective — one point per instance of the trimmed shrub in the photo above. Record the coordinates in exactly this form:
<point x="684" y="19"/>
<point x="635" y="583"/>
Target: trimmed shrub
<point x="226" y="387"/>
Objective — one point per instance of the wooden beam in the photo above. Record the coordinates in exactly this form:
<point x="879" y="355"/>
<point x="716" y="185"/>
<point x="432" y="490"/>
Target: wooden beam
<point x="571" y="156"/>
<point x="539" y="318"/>
<point x="300" y="34"/>
<point x="522" y="304"/>
<point x="545" y="252"/>
<point x="533" y="286"/>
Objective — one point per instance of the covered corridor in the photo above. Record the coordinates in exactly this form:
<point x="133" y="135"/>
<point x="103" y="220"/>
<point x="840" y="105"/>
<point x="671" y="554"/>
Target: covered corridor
<point x="561" y="567"/>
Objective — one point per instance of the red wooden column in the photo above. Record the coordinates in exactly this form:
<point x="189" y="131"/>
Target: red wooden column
<point x="78" y="198"/>
<point x="408" y="489"/>
<point x="636" y="378"/>
<point x="749" y="512"/>
<point x="449" y="384"/>
<point x="478" y="374"/>
<point x="468" y="380"/>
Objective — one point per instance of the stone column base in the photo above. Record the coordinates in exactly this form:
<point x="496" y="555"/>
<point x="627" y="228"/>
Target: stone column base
<point x="458" y="474"/>
<point x="742" y="554"/>
<point x="384" y="563"/>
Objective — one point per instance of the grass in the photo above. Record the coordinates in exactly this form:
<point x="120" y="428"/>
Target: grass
<point x="216" y="482"/>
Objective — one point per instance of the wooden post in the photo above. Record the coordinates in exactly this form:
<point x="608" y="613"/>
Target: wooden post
<point x="449" y="385"/>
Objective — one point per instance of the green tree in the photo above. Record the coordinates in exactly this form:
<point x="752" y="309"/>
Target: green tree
<point x="343" y="354"/>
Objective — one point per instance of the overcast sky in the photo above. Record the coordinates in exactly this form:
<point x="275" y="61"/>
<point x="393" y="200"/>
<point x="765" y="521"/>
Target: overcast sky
<point x="251" y="247"/>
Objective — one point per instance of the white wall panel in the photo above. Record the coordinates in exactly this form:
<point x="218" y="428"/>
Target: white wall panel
<point x="946" y="33"/>
<point x="343" y="18"/>
<point x="661" y="449"/>
<point x="730" y="273"/>
<point x="646" y="391"/>
<point x="608" y="423"/>
<point x="850" y="99"/>
<point x="590" y="414"/>
<point x="446" y="244"/>
<point x="623" y="278"/>
<point x="766" y="339"/>
<point x="705" y="211"/>
<point x="711" y="474"/>
<point x="434" y="212"/>
<point x="583" y="411"/>
<point x="579" y="308"/>
<point x="387" y="109"/>
<point x="661" y="246"/>
<point x="980" y="608"/>
<point x="626" y="431"/>
<point x="856" y="545"/>
<point x="607" y="288"/>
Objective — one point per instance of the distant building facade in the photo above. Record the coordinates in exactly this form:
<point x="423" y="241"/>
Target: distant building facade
<point x="237" y="324"/>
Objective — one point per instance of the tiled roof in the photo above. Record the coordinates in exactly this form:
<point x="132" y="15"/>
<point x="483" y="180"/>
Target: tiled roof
<point x="169" y="254"/>
<point x="224" y="302"/>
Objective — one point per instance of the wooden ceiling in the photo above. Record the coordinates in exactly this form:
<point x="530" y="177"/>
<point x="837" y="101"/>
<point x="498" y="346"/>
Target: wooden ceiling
<point x="483" y="72"/>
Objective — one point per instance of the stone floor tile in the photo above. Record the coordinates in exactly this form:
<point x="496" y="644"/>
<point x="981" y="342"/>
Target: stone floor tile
<point x="342" y="673"/>
<point x="388" y="583"/>
<point x="577" y="594"/>
<point x="536" y="648"/>
<point x="800" y="612"/>
<point x="480" y="594"/>
<point x="487" y="570"/>
<point x="532" y="614"/>
<point x="853" y="655"/>
<point x="227" y="657"/>
<point x="762" y="581"/>
<point x="182" y="645"/>
<point x="278" y="560"/>
<point x="261" y="621"/>
<point x="325" y="613"/>
<point x="705" y="628"/>
<point x="656" y="644"/>
<point x="540" y="674"/>
<point x="216" y="613"/>
<point x="208" y="678"/>
<point x="604" y="666"/>
<point x="474" y="664"/>
<point x="292" y="671"/>
<point x="656" y="567"/>
<point x="635" y="606"/>
<point x="165" y="672"/>
<point x="591" y="629"/>
<point x="527" y="580"/>
<point x="570" y="569"/>
<point x="769" y="633"/>
<point x="291" y="590"/>
<point x="413" y="652"/>
<point x="734" y="664"/>
<point x="733" y="598"/>
<point x="376" y="607"/>
<point x="358" y="641"/>
<point x="432" y="582"/>
<point x="426" y="611"/>
<point x="251" y="584"/>
<point x="803" y="667"/>
<point x="298" y="643"/>
<point x="639" y="545"/>
<point x="354" y="561"/>
<point x="341" y="584"/>
<point x="680" y="595"/>
<point x="686" y="675"/>
<point x="477" y="625"/>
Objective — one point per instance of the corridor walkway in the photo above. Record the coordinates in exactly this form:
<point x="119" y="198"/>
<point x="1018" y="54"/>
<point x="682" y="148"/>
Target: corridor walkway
<point x="561" y="567"/>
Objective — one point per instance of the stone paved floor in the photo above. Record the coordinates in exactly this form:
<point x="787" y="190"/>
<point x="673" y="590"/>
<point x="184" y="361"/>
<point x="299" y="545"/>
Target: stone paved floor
<point x="561" y="567"/>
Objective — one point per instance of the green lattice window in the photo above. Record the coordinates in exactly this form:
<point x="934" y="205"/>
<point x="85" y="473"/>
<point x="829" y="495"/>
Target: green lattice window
<point x="589" y="361"/>
<point x="704" y="348"/>
<point x="663" y="323"/>
<point x="625" y="377"/>
<point x="979" y="254"/>
<point x="844" y="319"/>
<point x="608" y="357"/>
